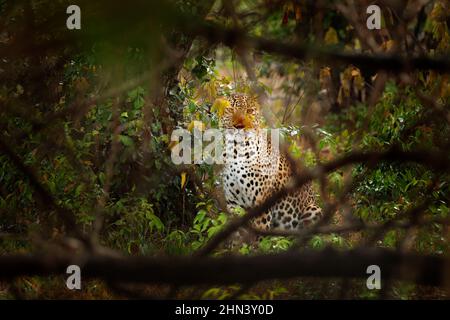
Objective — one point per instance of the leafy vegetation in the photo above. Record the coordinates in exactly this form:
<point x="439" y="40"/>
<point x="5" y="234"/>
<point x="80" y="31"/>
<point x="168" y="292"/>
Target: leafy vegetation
<point x="106" y="157"/>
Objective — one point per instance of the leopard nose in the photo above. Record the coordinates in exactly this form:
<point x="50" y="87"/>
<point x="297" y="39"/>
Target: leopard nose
<point x="238" y="120"/>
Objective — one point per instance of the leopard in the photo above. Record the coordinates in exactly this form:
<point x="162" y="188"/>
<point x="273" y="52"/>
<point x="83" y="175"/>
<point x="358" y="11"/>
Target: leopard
<point x="254" y="170"/>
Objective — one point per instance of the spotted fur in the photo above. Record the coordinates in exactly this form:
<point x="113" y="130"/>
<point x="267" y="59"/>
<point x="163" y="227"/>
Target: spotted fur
<point x="253" y="171"/>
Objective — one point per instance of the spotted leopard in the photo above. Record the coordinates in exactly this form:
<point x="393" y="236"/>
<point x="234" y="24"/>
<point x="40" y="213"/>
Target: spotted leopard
<point x="253" y="170"/>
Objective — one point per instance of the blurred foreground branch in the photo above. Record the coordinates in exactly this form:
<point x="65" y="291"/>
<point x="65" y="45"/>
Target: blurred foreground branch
<point x="426" y="270"/>
<point x="241" y="40"/>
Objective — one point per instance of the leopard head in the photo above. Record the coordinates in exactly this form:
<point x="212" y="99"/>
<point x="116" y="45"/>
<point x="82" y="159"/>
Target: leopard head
<point x="240" y="111"/>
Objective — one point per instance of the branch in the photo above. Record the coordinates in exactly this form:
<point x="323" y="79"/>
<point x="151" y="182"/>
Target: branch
<point x="352" y="227"/>
<point x="235" y="37"/>
<point x="426" y="270"/>
<point x="436" y="160"/>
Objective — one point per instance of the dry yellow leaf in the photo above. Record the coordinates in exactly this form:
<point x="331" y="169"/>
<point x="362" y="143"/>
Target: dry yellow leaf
<point x="331" y="37"/>
<point x="196" y="124"/>
<point x="355" y="72"/>
<point x="325" y="72"/>
<point x="172" y="144"/>
<point x="183" y="179"/>
<point x="219" y="106"/>
<point x="210" y="90"/>
<point x="438" y="13"/>
<point x="445" y="87"/>
<point x="387" y="45"/>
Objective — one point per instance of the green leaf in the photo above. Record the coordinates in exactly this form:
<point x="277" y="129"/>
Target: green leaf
<point x="126" y="140"/>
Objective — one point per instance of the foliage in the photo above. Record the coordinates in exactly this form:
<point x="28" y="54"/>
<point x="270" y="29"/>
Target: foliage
<point x="109" y="156"/>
